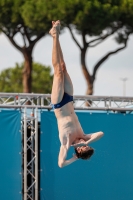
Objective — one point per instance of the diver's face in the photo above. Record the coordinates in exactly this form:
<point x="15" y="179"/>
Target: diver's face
<point x="83" y="148"/>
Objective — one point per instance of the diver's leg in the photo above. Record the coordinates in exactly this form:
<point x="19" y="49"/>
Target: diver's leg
<point x="58" y="80"/>
<point x="68" y="86"/>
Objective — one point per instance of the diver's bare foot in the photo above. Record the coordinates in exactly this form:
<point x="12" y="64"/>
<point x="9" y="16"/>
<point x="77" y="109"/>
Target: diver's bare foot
<point x="57" y="25"/>
<point x="55" y="30"/>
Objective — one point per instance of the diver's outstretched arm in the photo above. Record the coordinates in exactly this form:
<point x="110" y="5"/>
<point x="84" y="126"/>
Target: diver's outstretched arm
<point x="62" y="162"/>
<point x="93" y="137"/>
<point x="89" y="138"/>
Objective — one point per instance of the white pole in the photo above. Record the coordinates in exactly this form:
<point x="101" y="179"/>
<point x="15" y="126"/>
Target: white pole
<point x="124" y="85"/>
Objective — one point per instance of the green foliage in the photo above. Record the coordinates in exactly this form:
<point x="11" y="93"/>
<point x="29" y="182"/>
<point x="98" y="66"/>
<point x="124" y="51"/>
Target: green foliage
<point x="11" y="79"/>
<point x="89" y="16"/>
<point x="35" y="14"/>
<point x="127" y="12"/>
<point x="9" y="15"/>
<point x="92" y="17"/>
<point x="20" y="13"/>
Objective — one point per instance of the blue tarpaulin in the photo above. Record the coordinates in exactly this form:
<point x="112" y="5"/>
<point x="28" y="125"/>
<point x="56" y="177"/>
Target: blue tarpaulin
<point x="10" y="157"/>
<point x="106" y="176"/>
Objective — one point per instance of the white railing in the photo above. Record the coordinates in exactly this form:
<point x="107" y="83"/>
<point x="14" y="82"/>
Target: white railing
<point x="43" y="101"/>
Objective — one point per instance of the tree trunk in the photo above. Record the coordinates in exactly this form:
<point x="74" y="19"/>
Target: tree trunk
<point x="86" y="73"/>
<point x="89" y="90"/>
<point x="27" y="78"/>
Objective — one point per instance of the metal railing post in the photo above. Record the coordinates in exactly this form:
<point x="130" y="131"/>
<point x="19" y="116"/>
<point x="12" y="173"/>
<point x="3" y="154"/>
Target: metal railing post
<point x="25" y="155"/>
<point x="36" y="154"/>
<point x="32" y="152"/>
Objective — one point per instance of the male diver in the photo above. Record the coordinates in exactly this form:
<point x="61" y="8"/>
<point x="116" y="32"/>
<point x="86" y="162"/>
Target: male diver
<point x="70" y="130"/>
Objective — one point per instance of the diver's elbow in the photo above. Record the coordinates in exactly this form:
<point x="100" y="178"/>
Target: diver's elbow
<point x="60" y="164"/>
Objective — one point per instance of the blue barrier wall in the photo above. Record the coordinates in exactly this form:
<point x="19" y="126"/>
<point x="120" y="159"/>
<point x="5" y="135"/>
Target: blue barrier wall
<point x="108" y="175"/>
<point x="10" y="159"/>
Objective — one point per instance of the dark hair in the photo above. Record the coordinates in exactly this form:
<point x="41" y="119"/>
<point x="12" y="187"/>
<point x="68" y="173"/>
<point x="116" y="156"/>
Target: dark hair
<point x="86" y="154"/>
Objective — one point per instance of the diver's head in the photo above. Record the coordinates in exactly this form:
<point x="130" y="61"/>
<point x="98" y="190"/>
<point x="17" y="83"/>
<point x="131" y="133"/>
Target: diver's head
<point x="84" y="152"/>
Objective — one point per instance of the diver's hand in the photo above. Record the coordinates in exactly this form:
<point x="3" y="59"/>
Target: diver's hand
<point x="80" y="144"/>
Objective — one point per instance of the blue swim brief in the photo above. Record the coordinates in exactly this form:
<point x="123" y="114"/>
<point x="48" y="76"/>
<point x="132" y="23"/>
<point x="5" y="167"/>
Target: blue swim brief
<point x="66" y="98"/>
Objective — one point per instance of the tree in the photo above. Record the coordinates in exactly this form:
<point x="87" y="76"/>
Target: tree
<point x="14" y="19"/>
<point x="98" y="19"/>
<point x="11" y="79"/>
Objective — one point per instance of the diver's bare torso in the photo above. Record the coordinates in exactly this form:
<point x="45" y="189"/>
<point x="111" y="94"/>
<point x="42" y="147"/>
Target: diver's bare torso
<point x="70" y="130"/>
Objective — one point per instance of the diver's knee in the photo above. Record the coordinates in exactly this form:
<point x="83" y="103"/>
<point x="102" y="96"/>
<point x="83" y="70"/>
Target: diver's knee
<point x="63" y="66"/>
<point x="59" y="75"/>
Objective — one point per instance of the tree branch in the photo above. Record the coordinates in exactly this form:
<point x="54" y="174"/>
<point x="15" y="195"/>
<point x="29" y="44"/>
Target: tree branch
<point x="16" y="30"/>
<point x="102" y="38"/>
<point x="106" y="57"/>
<point x="84" y="41"/>
<point x="23" y="36"/>
<point x="97" y="43"/>
<point x="5" y="32"/>
<point x="12" y="41"/>
<point x="74" y="37"/>
<point x="26" y="33"/>
<point x="37" y="38"/>
<point x="22" y="32"/>
<point x="14" y="33"/>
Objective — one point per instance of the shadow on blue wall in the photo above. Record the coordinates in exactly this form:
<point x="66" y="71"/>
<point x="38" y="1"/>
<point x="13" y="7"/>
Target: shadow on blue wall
<point x="106" y="176"/>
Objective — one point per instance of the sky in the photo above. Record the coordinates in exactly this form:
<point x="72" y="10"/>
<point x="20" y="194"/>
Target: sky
<point x="108" y="79"/>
